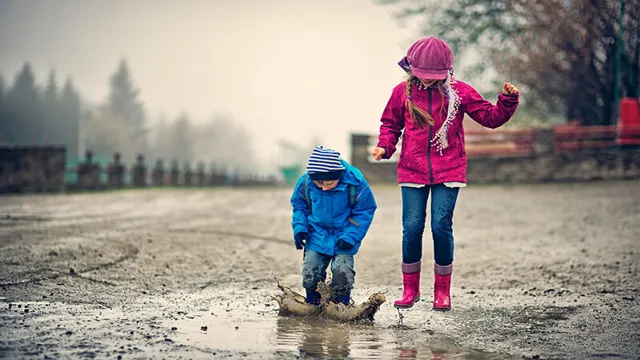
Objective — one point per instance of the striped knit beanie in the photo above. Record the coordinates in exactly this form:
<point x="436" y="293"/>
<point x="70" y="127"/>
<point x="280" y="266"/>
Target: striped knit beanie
<point x="324" y="164"/>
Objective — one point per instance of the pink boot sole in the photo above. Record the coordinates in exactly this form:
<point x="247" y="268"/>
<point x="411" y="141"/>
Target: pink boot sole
<point x="406" y="305"/>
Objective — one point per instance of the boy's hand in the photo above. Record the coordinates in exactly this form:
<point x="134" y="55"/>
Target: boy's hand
<point x="343" y="245"/>
<point x="378" y="153"/>
<point x="300" y="239"/>
<point x="509" y="89"/>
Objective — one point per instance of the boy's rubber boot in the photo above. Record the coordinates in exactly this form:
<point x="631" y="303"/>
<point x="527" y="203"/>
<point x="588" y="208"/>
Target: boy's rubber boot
<point x="313" y="297"/>
<point x="344" y="299"/>
<point x="411" y="283"/>
<point x="442" y="287"/>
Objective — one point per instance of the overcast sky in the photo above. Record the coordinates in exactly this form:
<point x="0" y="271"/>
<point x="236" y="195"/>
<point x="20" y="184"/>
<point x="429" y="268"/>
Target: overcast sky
<point x="290" y="69"/>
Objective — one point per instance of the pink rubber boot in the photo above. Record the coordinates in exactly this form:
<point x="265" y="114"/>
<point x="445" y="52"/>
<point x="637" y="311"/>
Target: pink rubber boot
<point x="441" y="287"/>
<point x="411" y="282"/>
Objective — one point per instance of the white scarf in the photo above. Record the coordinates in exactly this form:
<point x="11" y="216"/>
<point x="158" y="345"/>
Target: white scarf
<point x="450" y="91"/>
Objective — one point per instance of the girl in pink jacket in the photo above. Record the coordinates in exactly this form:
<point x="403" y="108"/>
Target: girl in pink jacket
<point x="429" y="107"/>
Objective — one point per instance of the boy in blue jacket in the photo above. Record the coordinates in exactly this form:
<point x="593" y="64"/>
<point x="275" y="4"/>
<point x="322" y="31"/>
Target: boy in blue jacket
<point x="333" y="207"/>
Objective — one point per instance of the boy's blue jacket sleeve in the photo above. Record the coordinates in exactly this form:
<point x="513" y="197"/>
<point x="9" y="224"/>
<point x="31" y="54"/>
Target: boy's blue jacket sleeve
<point x="362" y="216"/>
<point x="300" y="210"/>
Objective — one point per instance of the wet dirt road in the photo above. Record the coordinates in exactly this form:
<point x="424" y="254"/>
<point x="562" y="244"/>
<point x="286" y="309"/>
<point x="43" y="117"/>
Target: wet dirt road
<point x="548" y="271"/>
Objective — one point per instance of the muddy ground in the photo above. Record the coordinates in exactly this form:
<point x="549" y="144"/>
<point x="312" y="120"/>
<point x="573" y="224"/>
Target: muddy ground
<point x="548" y="271"/>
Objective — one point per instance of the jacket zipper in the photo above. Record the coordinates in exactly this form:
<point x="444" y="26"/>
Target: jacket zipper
<point x="429" y="141"/>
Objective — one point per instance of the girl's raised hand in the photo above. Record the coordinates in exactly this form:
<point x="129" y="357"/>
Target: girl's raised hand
<point x="509" y="89"/>
<point x="377" y="153"/>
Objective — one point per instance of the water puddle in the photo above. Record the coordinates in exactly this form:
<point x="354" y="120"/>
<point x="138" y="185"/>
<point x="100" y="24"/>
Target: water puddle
<point x="257" y="329"/>
<point x="229" y="321"/>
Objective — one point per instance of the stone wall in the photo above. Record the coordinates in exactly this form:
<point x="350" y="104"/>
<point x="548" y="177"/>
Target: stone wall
<point x="32" y="169"/>
<point x="543" y="164"/>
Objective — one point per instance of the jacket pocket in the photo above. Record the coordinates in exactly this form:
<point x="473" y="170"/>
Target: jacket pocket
<point x="413" y="153"/>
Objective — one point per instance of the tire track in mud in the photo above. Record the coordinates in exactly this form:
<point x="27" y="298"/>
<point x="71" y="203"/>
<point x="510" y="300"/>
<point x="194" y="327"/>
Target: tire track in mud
<point x="123" y="224"/>
<point x="246" y="236"/>
<point x="130" y="225"/>
<point x="151" y="209"/>
<point x="133" y="251"/>
<point x="252" y="268"/>
<point x="32" y="235"/>
<point x="12" y="218"/>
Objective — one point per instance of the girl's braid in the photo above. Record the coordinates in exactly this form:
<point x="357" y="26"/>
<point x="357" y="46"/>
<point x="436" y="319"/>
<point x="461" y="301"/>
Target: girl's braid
<point x="419" y="116"/>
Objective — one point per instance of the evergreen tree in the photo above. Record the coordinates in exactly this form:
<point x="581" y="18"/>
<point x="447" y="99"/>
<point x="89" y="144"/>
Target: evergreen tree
<point x="105" y="134"/>
<point x="53" y="128"/>
<point x="24" y="109"/>
<point x="181" y="147"/>
<point x="124" y="103"/>
<point x="162" y="139"/>
<point x="69" y="115"/>
<point x="3" y="116"/>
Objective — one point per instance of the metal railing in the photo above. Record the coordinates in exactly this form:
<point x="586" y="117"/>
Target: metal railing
<point x="518" y="142"/>
<point x="499" y="142"/>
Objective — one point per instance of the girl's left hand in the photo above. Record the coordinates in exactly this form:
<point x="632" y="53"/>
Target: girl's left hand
<point x="509" y="89"/>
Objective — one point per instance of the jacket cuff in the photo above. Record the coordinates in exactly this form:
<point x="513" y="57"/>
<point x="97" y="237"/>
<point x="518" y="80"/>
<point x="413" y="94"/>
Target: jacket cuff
<point x="509" y="100"/>
<point x="387" y="151"/>
<point x="299" y="229"/>
<point x="347" y="239"/>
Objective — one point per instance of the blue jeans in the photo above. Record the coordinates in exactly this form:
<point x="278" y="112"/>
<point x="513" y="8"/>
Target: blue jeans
<point x="314" y="269"/>
<point x="414" y="214"/>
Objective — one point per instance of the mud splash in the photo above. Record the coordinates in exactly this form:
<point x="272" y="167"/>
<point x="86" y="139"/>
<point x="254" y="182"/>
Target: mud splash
<point x="293" y="304"/>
